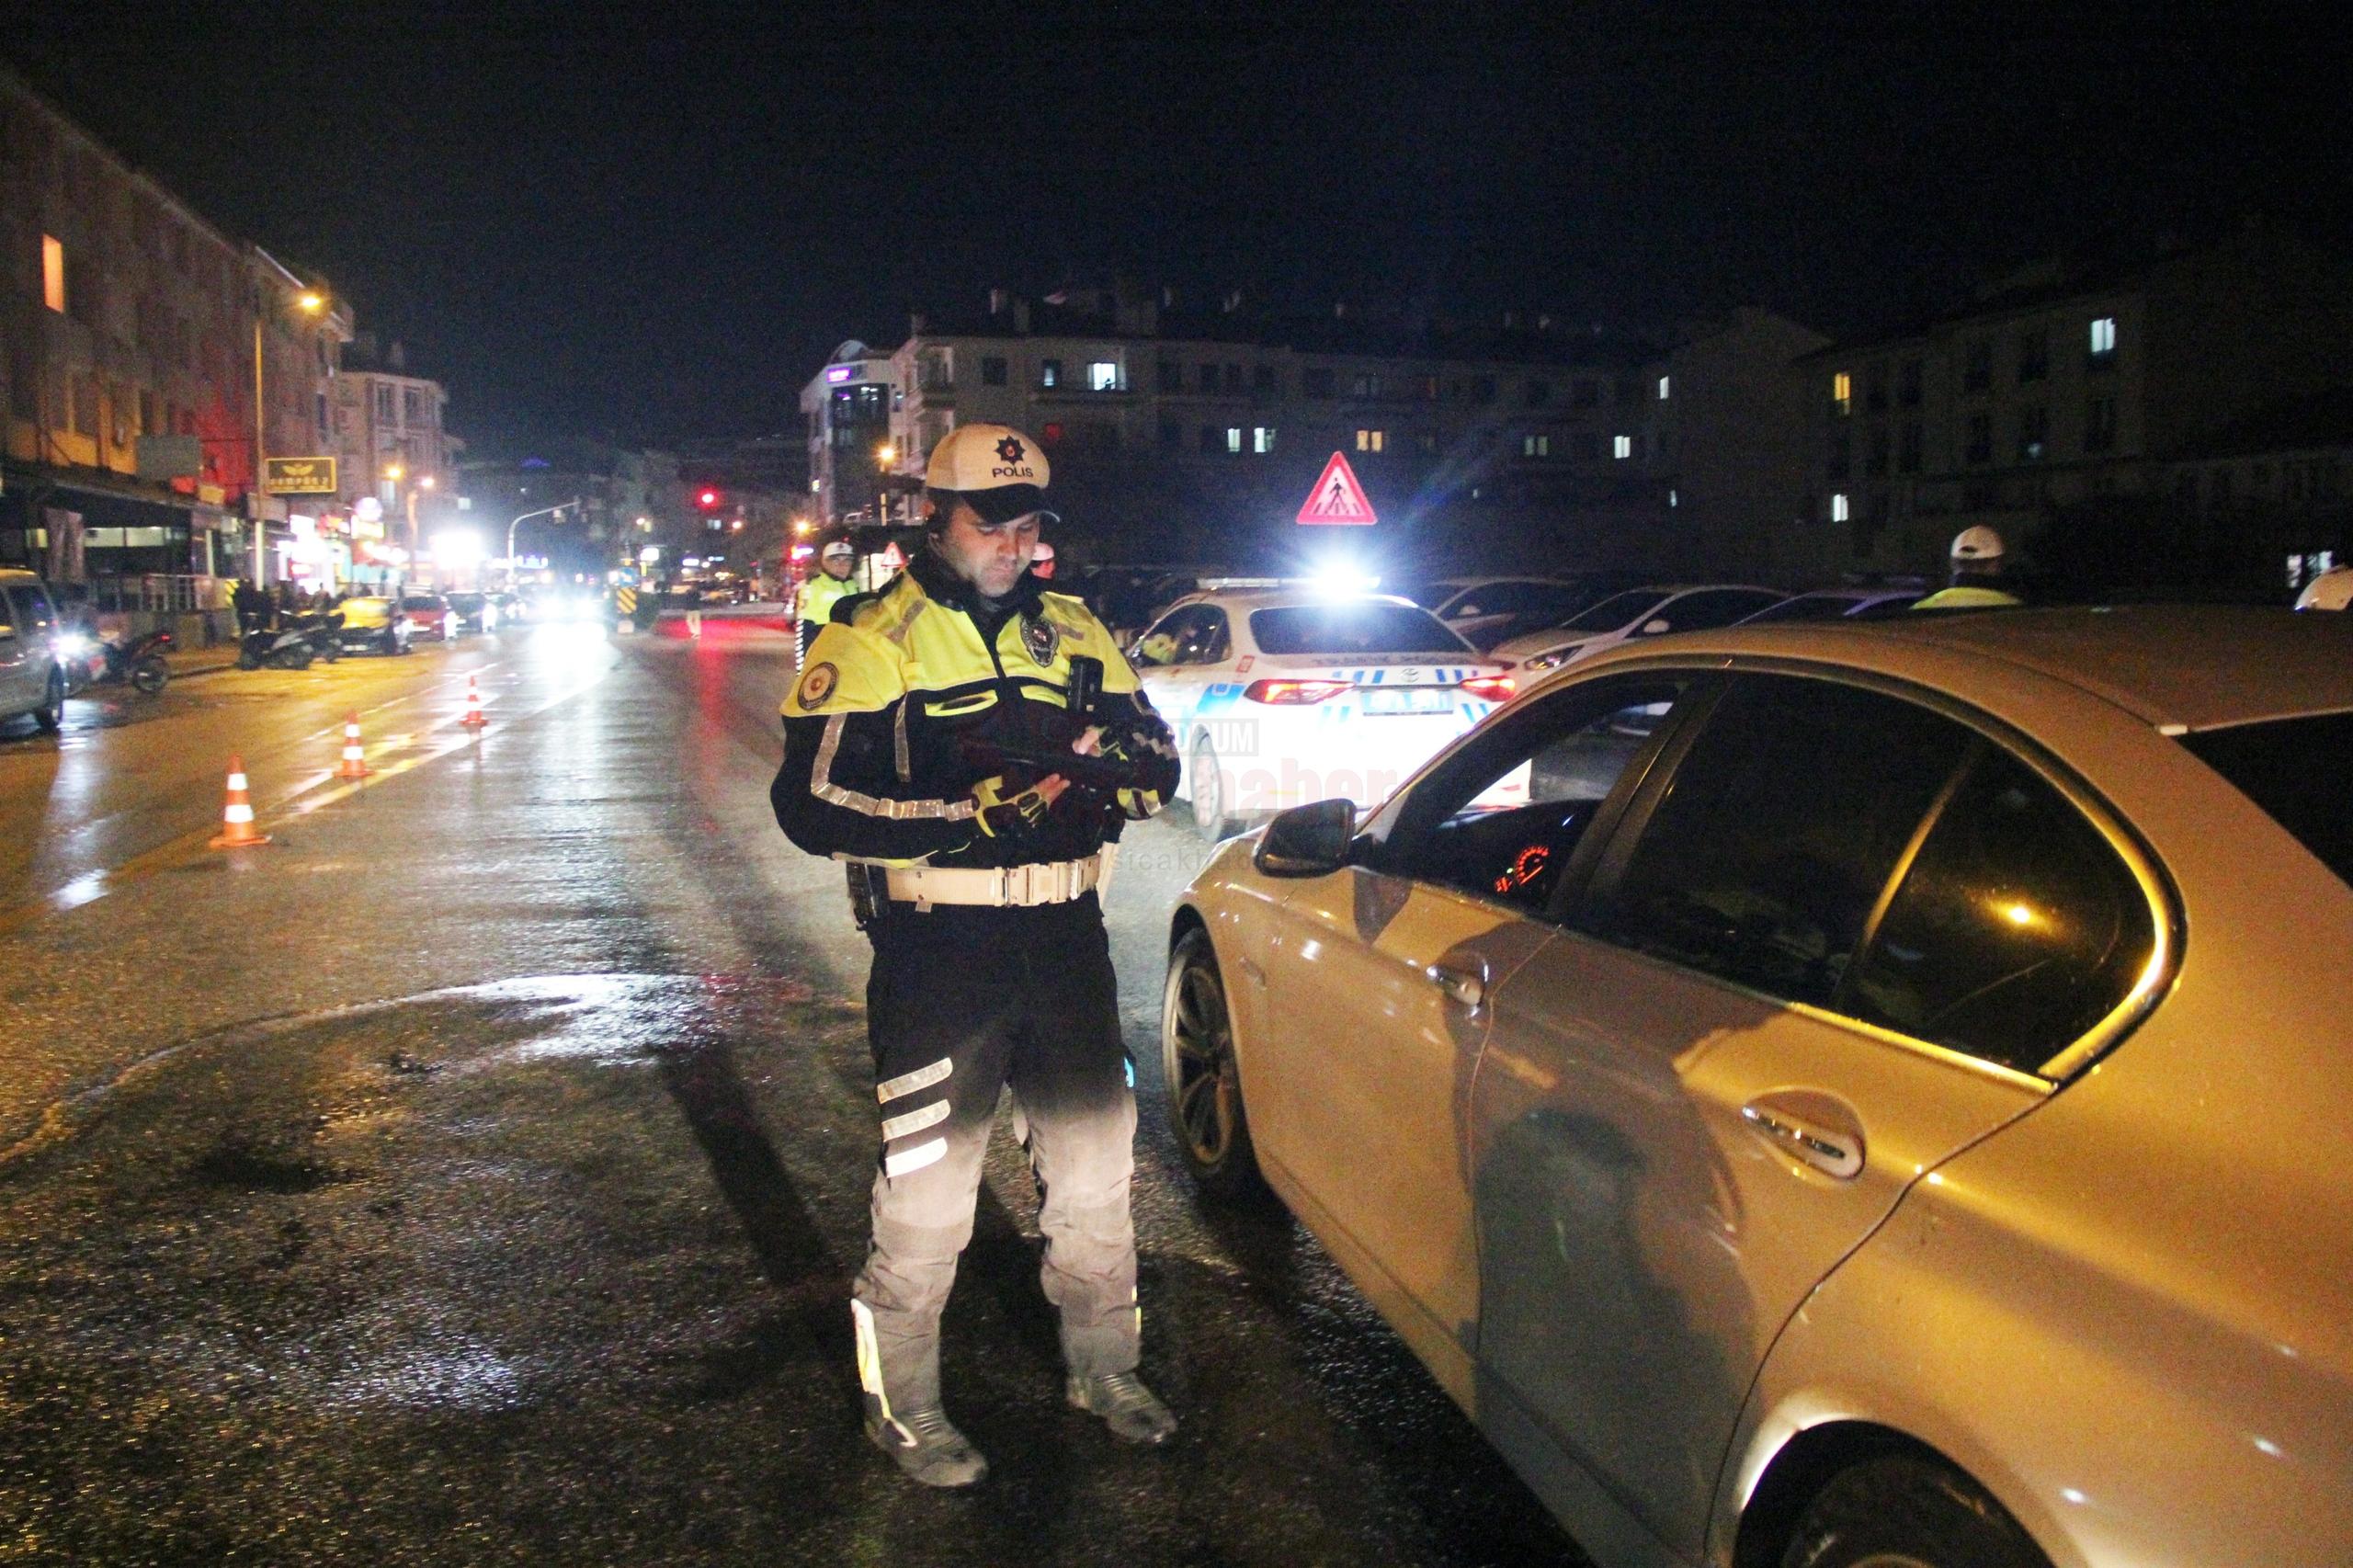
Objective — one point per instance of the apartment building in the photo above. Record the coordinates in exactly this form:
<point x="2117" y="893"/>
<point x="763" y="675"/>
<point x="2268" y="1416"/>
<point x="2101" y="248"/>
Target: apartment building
<point x="2061" y="388"/>
<point x="1199" y="431"/>
<point x="132" y="334"/>
<point x="393" y="448"/>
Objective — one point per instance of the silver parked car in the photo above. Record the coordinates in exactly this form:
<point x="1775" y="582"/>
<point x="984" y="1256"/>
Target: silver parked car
<point x="32" y="680"/>
<point x="1838" y="1094"/>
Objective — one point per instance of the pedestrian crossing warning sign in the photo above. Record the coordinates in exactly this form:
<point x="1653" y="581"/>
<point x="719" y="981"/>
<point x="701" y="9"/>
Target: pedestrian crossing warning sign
<point x="1337" y="497"/>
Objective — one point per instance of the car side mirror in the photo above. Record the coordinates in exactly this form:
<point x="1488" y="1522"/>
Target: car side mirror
<point x="1307" y="841"/>
<point x="1653" y="628"/>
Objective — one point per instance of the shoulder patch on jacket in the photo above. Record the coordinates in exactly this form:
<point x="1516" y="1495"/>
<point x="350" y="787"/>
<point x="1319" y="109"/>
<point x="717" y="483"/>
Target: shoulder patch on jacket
<point x="850" y="670"/>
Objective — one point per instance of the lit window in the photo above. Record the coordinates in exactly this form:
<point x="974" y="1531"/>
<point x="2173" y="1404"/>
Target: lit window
<point x="1842" y="393"/>
<point x="2104" y="336"/>
<point x="1622" y="447"/>
<point x="1673" y="499"/>
<point x="1103" y="375"/>
<point x="1662" y="391"/>
<point x="1838" y="512"/>
<point x="1536" y="445"/>
<point x="1262" y="438"/>
<point x="1233" y="438"/>
<point x="53" y="274"/>
<point x="1050" y="373"/>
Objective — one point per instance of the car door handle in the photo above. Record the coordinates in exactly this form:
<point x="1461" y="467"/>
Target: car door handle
<point x="1463" y="985"/>
<point x="1834" y="1153"/>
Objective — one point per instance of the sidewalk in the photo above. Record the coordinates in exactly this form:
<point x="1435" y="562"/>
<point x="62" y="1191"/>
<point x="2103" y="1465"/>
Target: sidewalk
<point x="186" y="661"/>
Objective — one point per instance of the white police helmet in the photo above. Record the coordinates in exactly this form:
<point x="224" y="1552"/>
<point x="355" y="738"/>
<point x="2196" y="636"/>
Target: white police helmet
<point x="1978" y="543"/>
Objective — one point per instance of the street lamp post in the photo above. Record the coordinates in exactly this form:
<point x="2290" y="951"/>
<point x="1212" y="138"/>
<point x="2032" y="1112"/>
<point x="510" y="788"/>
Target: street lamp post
<point x="311" y="302"/>
<point x="526" y="517"/>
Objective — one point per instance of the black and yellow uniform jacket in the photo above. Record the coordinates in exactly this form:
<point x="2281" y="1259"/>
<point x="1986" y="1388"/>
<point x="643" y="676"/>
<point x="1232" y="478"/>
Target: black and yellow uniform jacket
<point x="879" y="731"/>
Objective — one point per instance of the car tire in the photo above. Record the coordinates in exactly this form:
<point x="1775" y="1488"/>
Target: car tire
<point x="51" y="712"/>
<point x="1202" y="1079"/>
<point x="1206" y="794"/>
<point x="1907" y="1511"/>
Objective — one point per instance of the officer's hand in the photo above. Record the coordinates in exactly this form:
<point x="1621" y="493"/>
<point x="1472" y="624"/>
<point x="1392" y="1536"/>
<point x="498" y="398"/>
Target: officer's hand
<point x="1003" y="813"/>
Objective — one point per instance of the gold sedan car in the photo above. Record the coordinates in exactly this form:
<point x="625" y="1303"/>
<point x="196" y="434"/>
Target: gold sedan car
<point x="1841" y="1095"/>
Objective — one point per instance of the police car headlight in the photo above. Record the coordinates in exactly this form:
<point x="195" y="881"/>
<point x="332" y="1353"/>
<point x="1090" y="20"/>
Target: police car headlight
<point x="70" y="645"/>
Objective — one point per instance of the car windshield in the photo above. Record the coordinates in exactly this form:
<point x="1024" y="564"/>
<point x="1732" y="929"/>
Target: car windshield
<point x="414" y="602"/>
<point x="2295" y="769"/>
<point x="1352" y="627"/>
<point x="1617" y="610"/>
<point x="465" y="601"/>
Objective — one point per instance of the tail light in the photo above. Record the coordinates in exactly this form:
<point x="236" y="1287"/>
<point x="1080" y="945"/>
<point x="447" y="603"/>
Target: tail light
<point x="1492" y="688"/>
<point x="1296" y="691"/>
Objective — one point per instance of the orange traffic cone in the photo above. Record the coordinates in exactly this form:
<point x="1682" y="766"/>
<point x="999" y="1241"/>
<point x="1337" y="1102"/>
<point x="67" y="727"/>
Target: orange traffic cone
<point x="355" y="760"/>
<point x="237" y="818"/>
<point x="474" y="719"/>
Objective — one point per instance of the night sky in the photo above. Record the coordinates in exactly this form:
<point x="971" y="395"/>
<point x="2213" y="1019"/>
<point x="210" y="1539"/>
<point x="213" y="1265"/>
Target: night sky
<point x="653" y="226"/>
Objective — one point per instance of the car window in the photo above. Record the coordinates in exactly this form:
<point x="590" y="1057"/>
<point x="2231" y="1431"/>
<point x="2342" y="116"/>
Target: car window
<point x="1352" y="627"/>
<point x="1716" y="606"/>
<point x="33" y="612"/>
<point x="1806" y="607"/>
<point x="1498" y="598"/>
<point x="1617" y="610"/>
<point x="415" y="602"/>
<point x="2295" y="769"/>
<point x="1503" y="816"/>
<point x="8" y="610"/>
<point x="1781" y="827"/>
<point x="2015" y="929"/>
<point x="1194" y="635"/>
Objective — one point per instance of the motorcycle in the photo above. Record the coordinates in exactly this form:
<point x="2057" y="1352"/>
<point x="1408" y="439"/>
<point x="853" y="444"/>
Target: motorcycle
<point x="293" y="643"/>
<point x="138" y="662"/>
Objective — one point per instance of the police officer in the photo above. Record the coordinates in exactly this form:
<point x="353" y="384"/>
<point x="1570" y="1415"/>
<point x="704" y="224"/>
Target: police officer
<point x="1977" y="559"/>
<point x="931" y="743"/>
<point x="826" y="588"/>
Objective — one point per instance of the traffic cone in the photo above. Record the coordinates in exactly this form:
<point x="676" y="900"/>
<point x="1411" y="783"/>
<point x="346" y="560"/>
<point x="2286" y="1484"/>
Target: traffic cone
<point x="238" y="817"/>
<point x="355" y="761"/>
<point x="474" y="719"/>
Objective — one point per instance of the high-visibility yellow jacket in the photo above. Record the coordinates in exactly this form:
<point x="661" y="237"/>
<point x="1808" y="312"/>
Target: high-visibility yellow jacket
<point x="1967" y="595"/>
<point x="819" y="593"/>
<point x="881" y="726"/>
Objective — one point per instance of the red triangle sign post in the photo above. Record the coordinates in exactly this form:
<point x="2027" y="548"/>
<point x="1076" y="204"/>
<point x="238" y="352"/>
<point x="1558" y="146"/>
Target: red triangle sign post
<point x="893" y="558"/>
<point x="1337" y="497"/>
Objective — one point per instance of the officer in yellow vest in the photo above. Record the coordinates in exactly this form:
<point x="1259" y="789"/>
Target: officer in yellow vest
<point x="1976" y="571"/>
<point x="971" y="746"/>
<point x="826" y="588"/>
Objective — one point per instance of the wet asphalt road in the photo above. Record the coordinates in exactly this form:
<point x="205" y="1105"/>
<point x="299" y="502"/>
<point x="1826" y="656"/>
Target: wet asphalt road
<point x="475" y="1173"/>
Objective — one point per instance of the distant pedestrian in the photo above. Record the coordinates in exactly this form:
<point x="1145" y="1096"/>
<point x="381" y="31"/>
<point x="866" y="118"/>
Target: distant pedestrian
<point x="837" y="558"/>
<point x="1977" y="560"/>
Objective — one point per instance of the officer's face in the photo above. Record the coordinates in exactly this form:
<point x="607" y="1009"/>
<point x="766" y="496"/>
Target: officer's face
<point x="990" y="556"/>
<point x="837" y="565"/>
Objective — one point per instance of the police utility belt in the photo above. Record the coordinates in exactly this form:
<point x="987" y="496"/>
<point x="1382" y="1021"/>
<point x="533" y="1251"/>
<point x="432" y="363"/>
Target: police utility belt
<point x="872" y="886"/>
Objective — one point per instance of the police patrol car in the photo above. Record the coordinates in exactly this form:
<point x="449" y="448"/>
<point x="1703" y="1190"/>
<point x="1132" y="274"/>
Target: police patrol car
<point x="1281" y="693"/>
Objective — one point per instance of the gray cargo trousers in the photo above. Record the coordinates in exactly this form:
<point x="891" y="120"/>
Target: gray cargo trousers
<point x="962" y="1000"/>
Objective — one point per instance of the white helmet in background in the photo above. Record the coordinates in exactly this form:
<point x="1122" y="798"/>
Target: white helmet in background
<point x="2333" y="589"/>
<point x="1978" y="543"/>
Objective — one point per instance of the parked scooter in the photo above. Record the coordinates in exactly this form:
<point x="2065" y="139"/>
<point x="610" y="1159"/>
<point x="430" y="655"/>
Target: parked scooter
<point x="292" y="643"/>
<point x="138" y="662"/>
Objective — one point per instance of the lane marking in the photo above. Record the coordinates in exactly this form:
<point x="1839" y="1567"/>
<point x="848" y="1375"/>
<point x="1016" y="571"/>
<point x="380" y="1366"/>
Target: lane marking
<point x="302" y="800"/>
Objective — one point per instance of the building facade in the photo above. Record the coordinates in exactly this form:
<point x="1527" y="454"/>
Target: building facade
<point x="394" y="449"/>
<point x="2063" y="392"/>
<point x="1197" y="434"/>
<point x="132" y="334"/>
